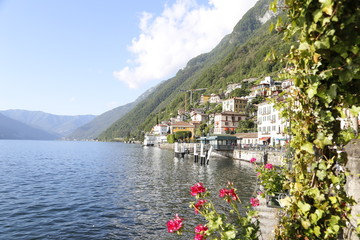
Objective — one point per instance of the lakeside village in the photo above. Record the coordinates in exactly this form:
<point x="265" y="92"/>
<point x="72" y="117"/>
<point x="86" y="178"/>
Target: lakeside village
<point x="243" y="123"/>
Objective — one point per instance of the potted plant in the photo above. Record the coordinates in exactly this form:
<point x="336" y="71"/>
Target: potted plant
<point x="272" y="182"/>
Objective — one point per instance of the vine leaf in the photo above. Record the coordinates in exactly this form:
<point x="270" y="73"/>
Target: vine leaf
<point x="308" y="147"/>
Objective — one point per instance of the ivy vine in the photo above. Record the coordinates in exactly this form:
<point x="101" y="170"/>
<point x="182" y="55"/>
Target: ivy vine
<point x="325" y="68"/>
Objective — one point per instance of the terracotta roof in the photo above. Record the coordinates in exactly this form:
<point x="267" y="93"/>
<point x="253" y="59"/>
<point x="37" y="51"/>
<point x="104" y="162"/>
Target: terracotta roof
<point x="182" y="124"/>
<point x="231" y="113"/>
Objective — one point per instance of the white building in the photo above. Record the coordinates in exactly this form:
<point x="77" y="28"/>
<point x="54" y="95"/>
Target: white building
<point x="247" y="139"/>
<point x="199" y="116"/>
<point x="161" y="129"/>
<point x="214" y="98"/>
<point x="271" y="128"/>
<point x="227" y="122"/>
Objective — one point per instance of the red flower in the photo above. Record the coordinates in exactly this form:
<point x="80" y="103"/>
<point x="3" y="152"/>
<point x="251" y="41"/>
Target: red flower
<point x="197" y="188"/>
<point x="228" y="194"/>
<point x="199" y="205"/>
<point x="252" y="160"/>
<point x="199" y="237"/>
<point x="175" y="224"/>
<point x="269" y="166"/>
<point x="201" y="229"/>
<point x="254" y="202"/>
<point x="200" y="232"/>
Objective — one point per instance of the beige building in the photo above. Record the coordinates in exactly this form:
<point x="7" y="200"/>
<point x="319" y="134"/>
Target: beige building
<point x="235" y="104"/>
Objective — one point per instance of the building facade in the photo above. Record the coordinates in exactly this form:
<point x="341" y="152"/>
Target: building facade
<point x="234" y="105"/>
<point x="182" y="126"/>
<point x="271" y="127"/>
<point x="227" y="122"/>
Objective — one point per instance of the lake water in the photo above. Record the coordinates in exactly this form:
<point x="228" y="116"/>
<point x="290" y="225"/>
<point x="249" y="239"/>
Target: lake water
<point x="95" y="190"/>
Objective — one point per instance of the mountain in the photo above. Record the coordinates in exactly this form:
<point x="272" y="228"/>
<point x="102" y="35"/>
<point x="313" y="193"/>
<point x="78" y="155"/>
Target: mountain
<point x="54" y="124"/>
<point x="239" y="55"/>
<point x="99" y="124"/>
<point x="12" y="129"/>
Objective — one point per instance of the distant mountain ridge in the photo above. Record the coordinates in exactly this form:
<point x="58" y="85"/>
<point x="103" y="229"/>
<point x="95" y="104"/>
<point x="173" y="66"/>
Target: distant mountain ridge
<point x="13" y="129"/>
<point x="58" y="125"/>
<point x="99" y="124"/>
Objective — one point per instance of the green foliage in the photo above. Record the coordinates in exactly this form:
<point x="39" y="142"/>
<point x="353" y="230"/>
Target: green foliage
<point x="246" y="126"/>
<point x="272" y="179"/>
<point x="170" y="138"/>
<point x="202" y="130"/>
<point x="182" y="135"/>
<point x="325" y="67"/>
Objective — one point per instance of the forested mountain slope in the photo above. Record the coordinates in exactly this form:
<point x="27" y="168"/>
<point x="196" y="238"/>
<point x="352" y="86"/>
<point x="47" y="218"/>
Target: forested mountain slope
<point x="238" y="56"/>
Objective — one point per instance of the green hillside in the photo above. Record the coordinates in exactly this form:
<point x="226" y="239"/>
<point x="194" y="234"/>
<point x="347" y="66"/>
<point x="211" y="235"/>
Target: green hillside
<point x="238" y="56"/>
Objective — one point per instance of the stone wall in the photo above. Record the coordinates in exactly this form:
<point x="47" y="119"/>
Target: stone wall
<point x="353" y="183"/>
<point x="273" y="157"/>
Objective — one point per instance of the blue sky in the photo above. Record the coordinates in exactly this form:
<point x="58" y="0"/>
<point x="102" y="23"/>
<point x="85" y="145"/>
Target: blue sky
<point x="73" y="57"/>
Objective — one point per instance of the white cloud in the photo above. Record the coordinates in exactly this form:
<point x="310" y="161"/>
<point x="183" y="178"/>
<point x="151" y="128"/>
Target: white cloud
<point x="182" y="31"/>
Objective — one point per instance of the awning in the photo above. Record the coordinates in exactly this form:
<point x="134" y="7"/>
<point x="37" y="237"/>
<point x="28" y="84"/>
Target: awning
<point x="264" y="139"/>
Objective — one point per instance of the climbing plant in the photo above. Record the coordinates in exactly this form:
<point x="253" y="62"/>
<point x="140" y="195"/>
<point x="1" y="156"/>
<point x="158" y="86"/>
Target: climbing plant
<point x="324" y="67"/>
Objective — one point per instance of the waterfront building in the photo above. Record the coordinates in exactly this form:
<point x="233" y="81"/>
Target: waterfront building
<point x="182" y="126"/>
<point x="227" y="122"/>
<point x="161" y="129"/>
<point x="271" y="127"/>
<point x="220" y="142"/>
<point x="247" y="139"/>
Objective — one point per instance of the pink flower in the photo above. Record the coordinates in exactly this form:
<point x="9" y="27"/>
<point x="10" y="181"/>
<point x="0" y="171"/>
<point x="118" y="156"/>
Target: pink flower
<point x="201" y="229"/>
<point x="258" y="174"/>
<point x="199" y="205"/>
<point x="200" y="232"/>
<point x="269" y="166"/>
<point x="197" y="188"/>
<point x="254" y="202"/>
<point x="175" y="224"/>
<point x="252" y="160"/>
<point x="199" y="237"/>
<point x="229" y="194"/>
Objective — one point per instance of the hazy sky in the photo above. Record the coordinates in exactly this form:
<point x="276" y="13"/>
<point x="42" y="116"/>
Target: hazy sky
<point x="73" y="57"/>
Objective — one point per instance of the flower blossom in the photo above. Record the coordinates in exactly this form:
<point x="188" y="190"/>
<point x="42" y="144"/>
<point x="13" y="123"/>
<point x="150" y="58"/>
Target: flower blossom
<point x="201" y="228"/>
<point x="228" y="194"/>
<point x="269" y="166"/>
<point x="199" y="237"/>
<point x="197" y="188"/>
<point x="200" y="232"/>
<point x="252" y="160"/>
<point x="254" y="202"/>
<point x="175" y="224"/>
<point x="199" y="205"/>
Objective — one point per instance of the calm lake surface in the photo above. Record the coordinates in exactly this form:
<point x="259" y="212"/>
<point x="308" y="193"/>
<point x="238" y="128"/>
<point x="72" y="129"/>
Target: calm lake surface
<point x="95" y="190"/>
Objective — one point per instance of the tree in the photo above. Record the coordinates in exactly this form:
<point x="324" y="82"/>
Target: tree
<point x="245" y="126"/>
<point x="325" y="69"/>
